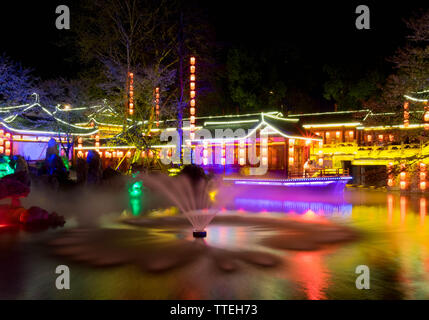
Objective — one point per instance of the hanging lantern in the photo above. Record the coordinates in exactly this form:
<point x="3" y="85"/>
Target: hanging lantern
<point x="403" y="177"/>
<point x="406" y="114"/>
<point x="242" y="153"/>
<point x="426" y="116"/>
<point x="291" y="151"/>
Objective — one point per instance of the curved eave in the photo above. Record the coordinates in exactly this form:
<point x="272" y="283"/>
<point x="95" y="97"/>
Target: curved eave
<point x="46" y="132"/>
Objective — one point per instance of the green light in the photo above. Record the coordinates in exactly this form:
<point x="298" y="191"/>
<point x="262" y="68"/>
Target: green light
<point x="136" y="189"/>
<point x="136" y="206"/>
<point x="135" y="192"/>
<point x="5" y="168"/>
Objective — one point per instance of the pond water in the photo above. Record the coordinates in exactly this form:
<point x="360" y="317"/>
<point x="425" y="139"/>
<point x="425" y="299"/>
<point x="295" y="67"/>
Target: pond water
<point x="241" y="258"/>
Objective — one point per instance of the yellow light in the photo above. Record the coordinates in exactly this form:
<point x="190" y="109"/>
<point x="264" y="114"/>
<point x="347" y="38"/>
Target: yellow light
<point x="192" y="85"/>
<point x="192" y="103"/>
<point x="264" y="161"/>
<point x="403" y="175"/>
<point x="328" y="134"/>
<point x="423" y="185"/>
<point x="403" y="185"/>
<point x="337" y="134"/>
<point x="192" y="60"/>
<point x="380" y="137"/>
<point x="192" y="94"/>
<point x="192" y="69"/>
<point x="390" y="182"/>
<point x="192" y="77"/>
<point x="212" y="195"/>
<point x="369" y="138"/>
<point x="321" y="162"/>
<point x="291" y="160"/>
<point x="351" y="133"/>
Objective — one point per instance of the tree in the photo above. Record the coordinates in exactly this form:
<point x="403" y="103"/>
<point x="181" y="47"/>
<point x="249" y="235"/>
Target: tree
<point x="153" y="40"/>
<point x="411" y="63"/>
<point x="253" y="82"/>
<point x="16" y="82"/>
<point x="350" y="88"/>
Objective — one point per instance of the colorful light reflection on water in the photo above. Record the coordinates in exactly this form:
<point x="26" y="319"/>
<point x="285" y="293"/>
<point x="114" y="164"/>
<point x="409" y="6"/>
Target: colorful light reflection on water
<point x="395" y="247"/>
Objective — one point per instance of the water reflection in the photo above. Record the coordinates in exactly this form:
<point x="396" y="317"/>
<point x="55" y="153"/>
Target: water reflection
<point x="394" y="245"/>
<point x="293" y="207"/>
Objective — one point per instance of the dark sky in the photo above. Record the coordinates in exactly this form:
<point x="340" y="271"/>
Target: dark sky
<point x="323" y="31"/>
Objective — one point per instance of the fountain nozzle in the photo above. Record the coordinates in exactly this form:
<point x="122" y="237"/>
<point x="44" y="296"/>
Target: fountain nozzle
<point x="199" y="234"/>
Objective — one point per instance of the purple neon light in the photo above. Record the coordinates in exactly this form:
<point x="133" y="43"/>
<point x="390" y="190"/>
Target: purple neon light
<point x="289" y="182"/>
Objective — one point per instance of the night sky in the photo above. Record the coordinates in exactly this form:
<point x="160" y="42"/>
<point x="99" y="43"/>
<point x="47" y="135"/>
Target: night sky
<point x="321" y="31"/>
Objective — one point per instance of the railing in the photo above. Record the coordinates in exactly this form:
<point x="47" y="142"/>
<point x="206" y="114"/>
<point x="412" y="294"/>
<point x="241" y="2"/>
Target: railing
<point x="318" y="173"/>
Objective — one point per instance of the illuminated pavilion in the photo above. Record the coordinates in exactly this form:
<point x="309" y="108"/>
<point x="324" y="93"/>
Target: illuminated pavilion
<point x="390" y="145"/>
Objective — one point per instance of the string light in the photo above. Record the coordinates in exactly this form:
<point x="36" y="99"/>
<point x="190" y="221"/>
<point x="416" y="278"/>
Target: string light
<point x="192" y="95"/>
<point x="157" y="97"/>
<point x="131" y="93"/>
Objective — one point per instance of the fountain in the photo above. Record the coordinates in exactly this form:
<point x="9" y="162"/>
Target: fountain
<point x="200" y="219"/>
<point x="190" y="192"/>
